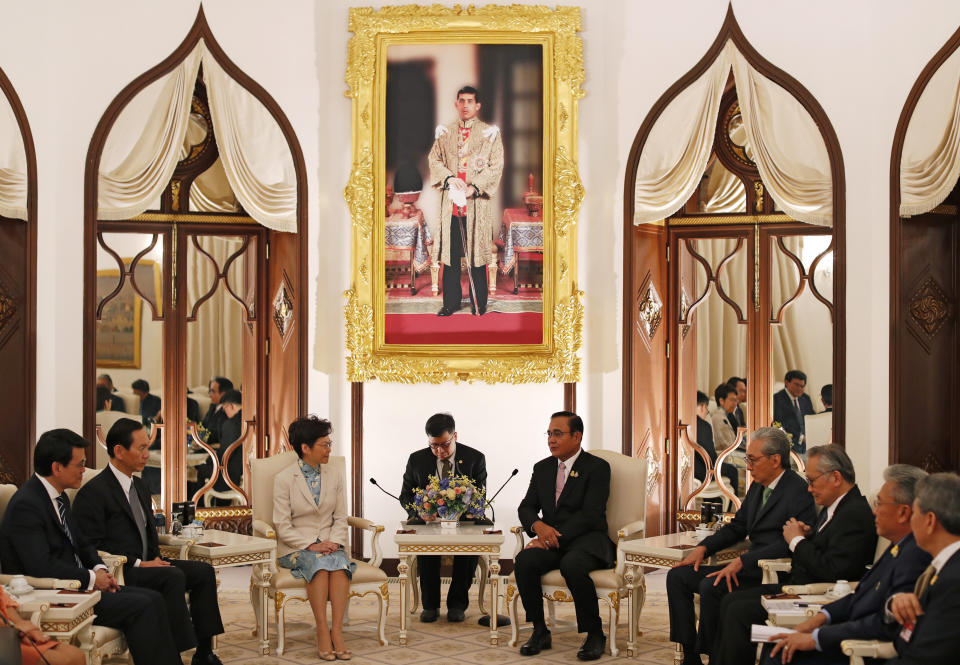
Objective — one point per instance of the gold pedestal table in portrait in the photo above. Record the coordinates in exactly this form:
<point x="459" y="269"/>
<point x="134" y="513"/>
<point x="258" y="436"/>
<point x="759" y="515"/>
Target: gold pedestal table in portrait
<point x="224" y="550"/>
<point x="665" y="552"/>
<point x="465" y="539"/>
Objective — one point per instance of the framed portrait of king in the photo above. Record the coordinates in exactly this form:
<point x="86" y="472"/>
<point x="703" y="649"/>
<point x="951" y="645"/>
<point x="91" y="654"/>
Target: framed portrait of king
<point x="464" y="193"/>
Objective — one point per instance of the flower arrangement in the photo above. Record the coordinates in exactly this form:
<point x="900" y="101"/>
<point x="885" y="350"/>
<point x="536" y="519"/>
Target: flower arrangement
<point x="449" y="498"/>
<point x="779" y="426"/>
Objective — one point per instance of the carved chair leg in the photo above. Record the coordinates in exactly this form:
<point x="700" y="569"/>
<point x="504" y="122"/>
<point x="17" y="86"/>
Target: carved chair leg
<point x="382" y="619"/>
<point x="514" y="618"/>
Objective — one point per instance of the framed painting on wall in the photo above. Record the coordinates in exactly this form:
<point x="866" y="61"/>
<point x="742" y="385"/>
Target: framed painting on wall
<point x="464" y="194"/>
<point x="119" y="313"/>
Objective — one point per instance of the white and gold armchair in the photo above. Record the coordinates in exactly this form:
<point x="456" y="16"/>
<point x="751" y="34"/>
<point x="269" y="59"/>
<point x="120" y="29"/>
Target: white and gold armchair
<point x="284" y="587"/>
<point x="626" y="512"/>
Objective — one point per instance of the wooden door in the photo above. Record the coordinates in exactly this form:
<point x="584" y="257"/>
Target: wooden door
<point x="646" y="390"/>
<point x="16" y="355"/>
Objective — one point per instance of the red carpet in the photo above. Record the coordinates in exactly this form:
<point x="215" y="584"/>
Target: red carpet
<point x="491" y="328"/>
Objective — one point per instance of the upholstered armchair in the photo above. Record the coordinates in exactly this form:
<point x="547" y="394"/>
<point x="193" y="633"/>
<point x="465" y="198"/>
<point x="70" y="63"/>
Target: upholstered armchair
<point x="771" y="567"/>
<point x="858" y="650"/>
<point x="626" y="511"/>
<point x="284" y="587"/>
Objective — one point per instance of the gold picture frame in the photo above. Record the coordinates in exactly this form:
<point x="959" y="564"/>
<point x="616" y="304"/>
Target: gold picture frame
<point x="556" y="357"/>
<point x="119" y="327"/>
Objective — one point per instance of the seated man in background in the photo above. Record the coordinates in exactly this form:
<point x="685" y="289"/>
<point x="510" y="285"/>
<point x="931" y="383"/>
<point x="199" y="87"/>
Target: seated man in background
<point x="113" y="510"/>
<point x="741" y="386"/>
<point x="149" y="404"/>
<point x="39" y="537"/>
<point x="860" y="615"/>
<point x="230" y="428"/>
<point x="443" y="457"/>
<point x="839" y="545"/>
<point x="705" y="441"/>
<point x="724" y="420"/>
<point x="928" y="618"/>
<point x="790" y="405"/>
<point x="776" y="495"/>
<point x="214" y="416"/>
<point x="565" y="508"/>
<point x="117" y="402"/>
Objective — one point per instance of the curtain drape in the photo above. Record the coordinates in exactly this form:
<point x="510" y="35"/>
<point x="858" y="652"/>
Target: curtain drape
<point x="930" y="163"/>
<point x="724" y="192"/>
<point x="13" y="165"/>
<point x="785" y="142"/>
<point x="146" y="140"/>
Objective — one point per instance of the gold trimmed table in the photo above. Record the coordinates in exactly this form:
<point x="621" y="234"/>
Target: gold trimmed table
<point x="790" y="610"/>
<point x="426" y="539"/>
<point x="63" y="614"/>
<point x="665" y="551"/>
<point x="222" y="549"/>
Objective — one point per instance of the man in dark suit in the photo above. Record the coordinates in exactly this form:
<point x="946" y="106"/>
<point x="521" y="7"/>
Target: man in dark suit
<point x="39" y="537"/>
<point x="149" y="404"/>
<point x="740" y="385"/>
<point x="113" y="510"/>
<point x="117" y="403"/>
<point x="790" y="405"/>
<point x="443" y="457"/>
<point x="215" y="415"/>
<point x="565" y="509"/>
<point x="705" y="441"/>
<point x="776" y="495"/>
<point x="839" y="545"/>
<point x="928" y="618"/>
<point x="860" y="615"/>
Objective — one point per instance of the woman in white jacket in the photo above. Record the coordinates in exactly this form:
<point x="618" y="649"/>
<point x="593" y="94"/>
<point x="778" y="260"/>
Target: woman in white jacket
<point x="310" y="518"/>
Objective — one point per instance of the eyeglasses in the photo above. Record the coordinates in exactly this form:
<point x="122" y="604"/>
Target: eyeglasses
<point x="555" y="433"/>
<point x="876" y="503"/>
<point x="812" y="481"/>
<point x="751" y="460"/>
<point x="328" y="445"/>
<point x="443" y="445"/>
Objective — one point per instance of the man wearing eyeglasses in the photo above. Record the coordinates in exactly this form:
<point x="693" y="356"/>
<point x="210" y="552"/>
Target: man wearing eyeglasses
<point x="839" y="545"/>
<point x="565" y="508"/>
<point x="776" y="495"/>
<point x="443" y="457"/>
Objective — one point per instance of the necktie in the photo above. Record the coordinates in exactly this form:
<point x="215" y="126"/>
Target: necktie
<point x="822" y="520"/>
<point x="923" y="582"/>
<point x="766" y="495"/>
<point x="561" y="480"/>
<point x="62" y="503"/>
<point x="796" y="407"/>
<point x="139" y="518"/>
<point x="444" y="469"/>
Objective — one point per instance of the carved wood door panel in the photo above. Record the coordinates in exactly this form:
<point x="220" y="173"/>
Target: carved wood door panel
<point x="649" y="435"/>
<point x="927" y="385"/>
<point x="15" y="359"/>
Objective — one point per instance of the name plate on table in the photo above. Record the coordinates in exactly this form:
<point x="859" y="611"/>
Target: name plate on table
<point x="63" y="604"/>
<point x="682" y="547"/>
<point x="210" y="544"/>
<point x="75" y="593"/>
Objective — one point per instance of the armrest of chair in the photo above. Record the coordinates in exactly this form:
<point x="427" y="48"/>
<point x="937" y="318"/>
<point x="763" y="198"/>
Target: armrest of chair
<point x="518" y="532"/>
<point x="263" y="530"/>
<point x="816" y="589"/>
<point x="114" y="563"/>
<point x="771" y="567"/>
<point x="868" y="649"/>
<point x="181" y="546"/>
<point x="45" y="582"/>
<point x="376" y="530"/>
<point x="632" y="529"/>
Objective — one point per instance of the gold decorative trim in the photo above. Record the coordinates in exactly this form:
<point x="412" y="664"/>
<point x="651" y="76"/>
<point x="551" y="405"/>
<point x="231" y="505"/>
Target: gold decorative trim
<point x="476" y="549"/>
<point x="707" y="220"/>
<point x="191" y="217"/>
<point x="223" y="512"/>
<point x="511" y="592"/>
<point x="233" y="559"/>
<point x="560" y="596"/>
<point x="651" y="560"/>
<point x="278" y="599"/>
<point x="555" y="30"/>
<point x="66" y="626"/>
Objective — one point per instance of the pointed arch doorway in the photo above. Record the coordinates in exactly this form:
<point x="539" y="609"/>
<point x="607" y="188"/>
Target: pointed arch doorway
<point x="674" y="283"/>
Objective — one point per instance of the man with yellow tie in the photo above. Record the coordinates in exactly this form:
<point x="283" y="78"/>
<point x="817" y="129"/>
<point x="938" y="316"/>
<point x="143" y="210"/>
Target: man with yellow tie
<point x="928" y="617"/>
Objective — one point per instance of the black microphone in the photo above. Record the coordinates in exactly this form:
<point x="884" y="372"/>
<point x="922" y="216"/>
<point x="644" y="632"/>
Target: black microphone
<point x="373" y="481"/>
<point x="489" y="501"/>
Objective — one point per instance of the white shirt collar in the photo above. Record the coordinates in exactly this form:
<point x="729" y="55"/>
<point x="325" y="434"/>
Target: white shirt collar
<point x="944" y="555"/>
<point x="773" y="484"/>
<point x="568" y="465"/>
<point x="125" y="480"/>
<point x="51" y="490"/>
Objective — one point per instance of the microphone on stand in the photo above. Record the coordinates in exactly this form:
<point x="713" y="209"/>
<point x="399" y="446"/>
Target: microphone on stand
<point x="489" y="501"/>
<point x="410" y="520"/>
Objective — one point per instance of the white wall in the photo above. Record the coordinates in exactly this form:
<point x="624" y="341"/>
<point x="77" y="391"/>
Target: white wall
<point x="859" y="59"/>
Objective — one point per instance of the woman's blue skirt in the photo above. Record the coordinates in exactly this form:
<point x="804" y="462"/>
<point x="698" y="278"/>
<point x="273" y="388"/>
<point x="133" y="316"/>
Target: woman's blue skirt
<point x="305" y="563"/>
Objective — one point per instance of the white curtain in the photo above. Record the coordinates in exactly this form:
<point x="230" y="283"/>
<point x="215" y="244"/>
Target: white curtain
<point x="146" y="141"/>
<point x="723" y="192"/>
<point x="930" y="163"/>
<point x="784" y="140"/>
<point x="13" y="165"/>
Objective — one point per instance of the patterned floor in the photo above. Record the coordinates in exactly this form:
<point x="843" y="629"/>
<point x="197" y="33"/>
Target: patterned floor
<point x="435" y="643"/>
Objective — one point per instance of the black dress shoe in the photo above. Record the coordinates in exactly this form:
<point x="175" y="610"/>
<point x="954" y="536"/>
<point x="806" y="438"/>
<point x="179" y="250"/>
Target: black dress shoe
<point x="209" y="659"/>
<point x="592" y="647"/>
<point x="429" y="616"/>
<point x="445" y="311"/>
<point x="455" y="615"/>
<point x="539" y="641"/>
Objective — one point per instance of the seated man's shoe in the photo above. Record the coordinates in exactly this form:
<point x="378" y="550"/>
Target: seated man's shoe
<point x="455" y="615"/>
<point x="445" y="311"/>
<point x="592" y="647"/>
<point x="539" y="641"/>
<point x="209" y="659"/>
<point x="429" y="616"/>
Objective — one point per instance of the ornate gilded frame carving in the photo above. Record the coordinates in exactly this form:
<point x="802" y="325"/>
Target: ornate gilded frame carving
<point x="556" y="358"/>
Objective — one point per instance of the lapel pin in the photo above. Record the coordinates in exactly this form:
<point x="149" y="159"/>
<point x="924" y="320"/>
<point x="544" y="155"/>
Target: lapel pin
<point x="574" y="474"/>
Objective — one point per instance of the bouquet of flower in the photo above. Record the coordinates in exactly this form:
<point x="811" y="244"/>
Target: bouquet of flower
<point x="449" y="498"/>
